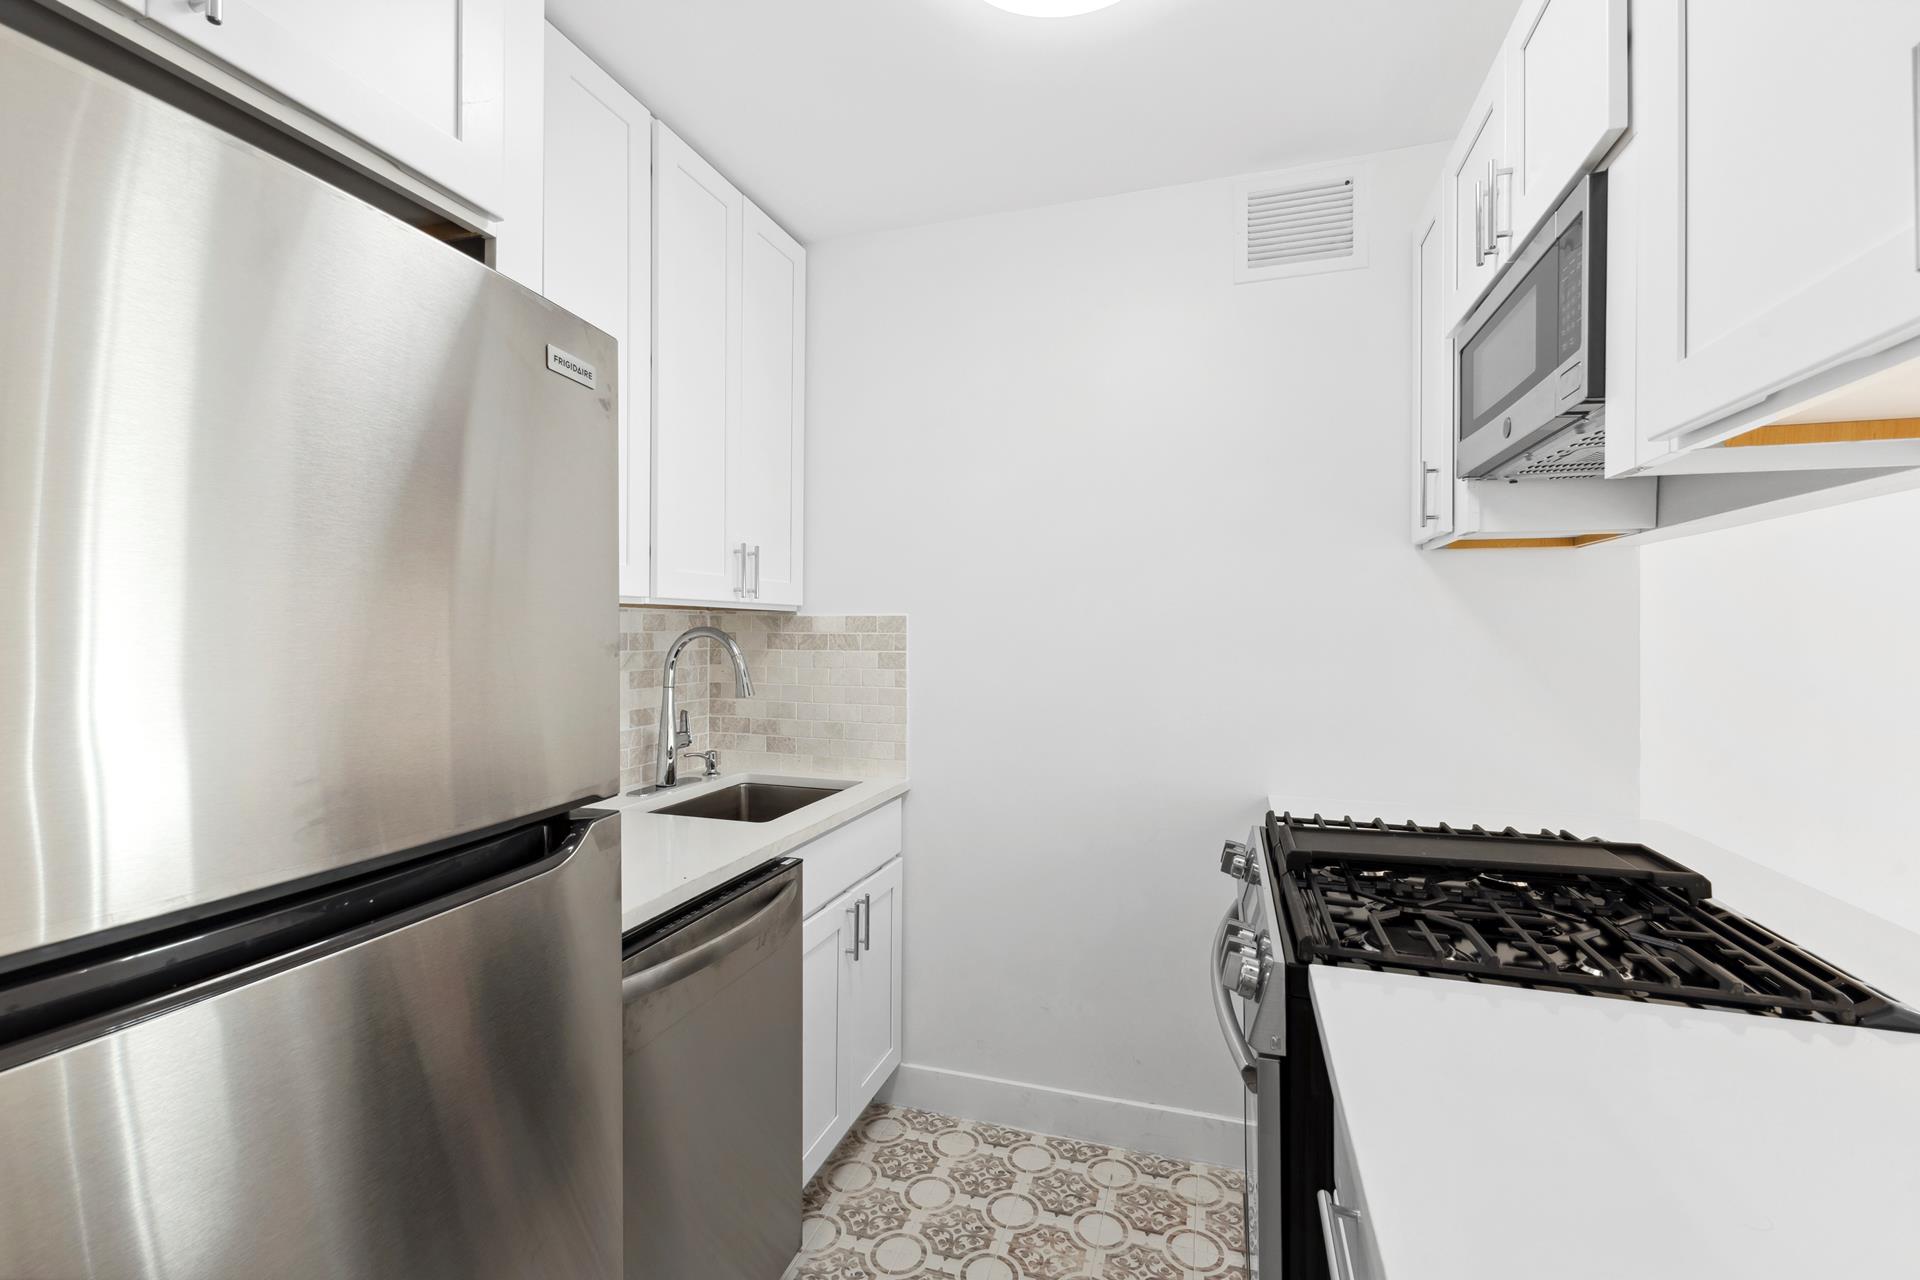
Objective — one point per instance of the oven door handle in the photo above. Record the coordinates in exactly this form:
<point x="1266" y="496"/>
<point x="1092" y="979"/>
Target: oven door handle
<point x="1223" y="1006"/>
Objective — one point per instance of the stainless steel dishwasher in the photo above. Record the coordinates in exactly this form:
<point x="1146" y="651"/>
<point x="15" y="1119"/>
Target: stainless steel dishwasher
<point x="711" y="997"/>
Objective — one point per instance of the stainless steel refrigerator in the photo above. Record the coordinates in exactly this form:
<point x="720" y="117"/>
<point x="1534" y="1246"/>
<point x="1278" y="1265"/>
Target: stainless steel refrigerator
<point x="307" y="653"/>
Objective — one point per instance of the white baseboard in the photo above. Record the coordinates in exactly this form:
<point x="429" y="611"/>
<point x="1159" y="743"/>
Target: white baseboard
<point x="1136" y="1126"/>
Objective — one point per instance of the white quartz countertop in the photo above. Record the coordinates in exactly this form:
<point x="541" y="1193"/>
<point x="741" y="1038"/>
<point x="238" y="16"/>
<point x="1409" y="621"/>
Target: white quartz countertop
<point x="1504" y="1132"/>
<point x="667" y="861"/>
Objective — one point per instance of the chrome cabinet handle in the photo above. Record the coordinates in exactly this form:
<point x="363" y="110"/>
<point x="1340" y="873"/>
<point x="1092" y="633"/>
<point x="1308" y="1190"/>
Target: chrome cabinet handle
<point x="866" y="922"/>
<point x="1223" y="1009"/>
<point x="1479" y="223"/>
<point x="1500" y="230"/>
<point x="211" y="8"/>
<point x="854" y="950"/>
<point x="740" y="587"/>
<point x="755" y="593"/>
<point x="1488" y="188"/>
<point x="1335" y="1218"/>
<point x="1427" y="516"/>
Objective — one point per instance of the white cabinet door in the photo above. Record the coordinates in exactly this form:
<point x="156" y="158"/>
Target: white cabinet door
<point x="873" y="988"/>
<point x="697" y="220"/>
<point x="1474" y="182"/>
<point x="1566" y="67"/>
<point x="764" y="450"/>
<point x="826" y="941"/>
<point x="1778" y="233"/>
<point x="419" y="80"/>
<point x="1433" y="467"/>
<point x="598" y="259"/>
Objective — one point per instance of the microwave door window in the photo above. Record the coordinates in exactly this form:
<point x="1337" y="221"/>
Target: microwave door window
<point x="1504" y="358"/>
<point x="1516" y="347"/>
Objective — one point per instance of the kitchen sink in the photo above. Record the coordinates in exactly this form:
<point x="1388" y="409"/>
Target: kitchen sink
<point x="749" y="802"/>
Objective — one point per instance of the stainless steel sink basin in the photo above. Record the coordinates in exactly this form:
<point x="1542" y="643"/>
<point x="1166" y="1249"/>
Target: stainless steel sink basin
<point x="749" y="802"/>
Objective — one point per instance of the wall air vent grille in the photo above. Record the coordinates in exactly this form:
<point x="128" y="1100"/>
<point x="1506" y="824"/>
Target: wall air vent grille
<point x="1300" y="223"/>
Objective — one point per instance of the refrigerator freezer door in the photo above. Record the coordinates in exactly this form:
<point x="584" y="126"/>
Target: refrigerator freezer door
<point x="306" y="556"/>
<point x="441" y="1100"/>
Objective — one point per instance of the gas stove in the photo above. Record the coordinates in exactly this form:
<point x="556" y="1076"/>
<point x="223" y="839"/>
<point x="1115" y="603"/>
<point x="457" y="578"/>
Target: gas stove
<point x="1542" y="909"/>
<point x="1545" y="910"/>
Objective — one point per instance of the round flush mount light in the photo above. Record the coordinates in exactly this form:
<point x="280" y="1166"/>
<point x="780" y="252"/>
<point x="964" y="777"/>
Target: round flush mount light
<point x="1051" y="8"/>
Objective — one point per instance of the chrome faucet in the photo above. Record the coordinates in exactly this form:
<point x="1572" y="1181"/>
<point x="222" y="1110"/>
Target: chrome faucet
<point x="674" y="737"/>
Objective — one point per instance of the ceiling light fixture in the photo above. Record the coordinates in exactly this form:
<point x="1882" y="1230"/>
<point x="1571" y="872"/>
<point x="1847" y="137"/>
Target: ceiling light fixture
<point x="1050" y="8"/>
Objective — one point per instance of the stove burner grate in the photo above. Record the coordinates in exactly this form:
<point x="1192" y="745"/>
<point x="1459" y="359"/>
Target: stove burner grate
<point x="1597" y="934"/>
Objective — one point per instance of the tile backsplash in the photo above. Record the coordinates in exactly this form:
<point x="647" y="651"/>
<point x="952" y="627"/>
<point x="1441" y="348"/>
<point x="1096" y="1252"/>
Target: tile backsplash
<point x="830" y="693"/>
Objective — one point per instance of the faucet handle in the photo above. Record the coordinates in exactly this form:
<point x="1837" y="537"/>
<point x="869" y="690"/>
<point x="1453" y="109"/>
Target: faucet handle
<point x="682" y="738"/>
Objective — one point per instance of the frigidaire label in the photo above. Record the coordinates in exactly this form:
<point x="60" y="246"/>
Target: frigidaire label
<point x="570" y="366"/>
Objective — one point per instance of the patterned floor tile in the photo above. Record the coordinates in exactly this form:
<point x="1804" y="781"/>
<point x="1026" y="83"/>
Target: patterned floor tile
<point x="910" y="1195"/>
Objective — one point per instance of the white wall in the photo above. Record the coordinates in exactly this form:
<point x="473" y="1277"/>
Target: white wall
<point x="1780" y="696"/>
<point x="1150" y="530"/>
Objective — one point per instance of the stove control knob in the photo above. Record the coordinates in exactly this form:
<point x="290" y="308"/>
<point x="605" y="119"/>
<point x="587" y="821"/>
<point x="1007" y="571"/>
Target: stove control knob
<point x="1251" y="979"/>
<point x="1236" y="861"/>
<point x="1242" y="939"/>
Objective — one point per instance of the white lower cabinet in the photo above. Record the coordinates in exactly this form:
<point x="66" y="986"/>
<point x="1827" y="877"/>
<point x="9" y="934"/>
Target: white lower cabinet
<point x="850" y="986"/>
<point x="825" y="943"/>
<point x="850" y="976"/>
<point x="871" y="1013"/>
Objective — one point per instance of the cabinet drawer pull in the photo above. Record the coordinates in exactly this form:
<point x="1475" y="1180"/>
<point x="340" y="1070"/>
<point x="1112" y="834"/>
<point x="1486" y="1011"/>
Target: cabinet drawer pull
<point x="740" y="585"/>
<point x="1426" y="516"/>
<point x="854" y="929"/>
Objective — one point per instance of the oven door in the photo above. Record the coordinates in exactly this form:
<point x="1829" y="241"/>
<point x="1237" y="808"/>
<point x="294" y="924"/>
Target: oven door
<point x="1529" y="359"/>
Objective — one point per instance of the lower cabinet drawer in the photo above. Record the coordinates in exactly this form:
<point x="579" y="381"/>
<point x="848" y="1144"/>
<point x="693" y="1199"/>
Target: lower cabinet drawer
<point x="846" y="854"/>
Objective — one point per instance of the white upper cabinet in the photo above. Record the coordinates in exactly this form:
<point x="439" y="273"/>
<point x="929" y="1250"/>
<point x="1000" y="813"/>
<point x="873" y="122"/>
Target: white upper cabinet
<point x="1566" y="70"/>
<point x="420" y="81"/>
<point x="1432" y="381"/>
<point x="1476" y="174"/>
<point x="598" y="259"/>
<point x="730" y="309"/>
<point x="1552" y="104"/>
<point x="1774" y="159"/>
<point x="764" y="452"/>
<point x="698" y="221"/>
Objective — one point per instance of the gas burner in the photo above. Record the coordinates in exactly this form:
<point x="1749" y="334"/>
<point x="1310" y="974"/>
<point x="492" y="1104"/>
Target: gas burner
<point x="1603" y="935"/>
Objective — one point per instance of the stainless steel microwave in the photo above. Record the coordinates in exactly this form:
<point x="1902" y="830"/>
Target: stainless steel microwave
<point x="1531" y="358"/>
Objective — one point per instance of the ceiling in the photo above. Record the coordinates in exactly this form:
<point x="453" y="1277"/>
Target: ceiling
<point x="840" y="116"/>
